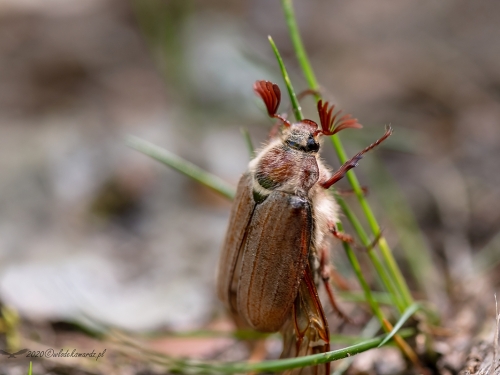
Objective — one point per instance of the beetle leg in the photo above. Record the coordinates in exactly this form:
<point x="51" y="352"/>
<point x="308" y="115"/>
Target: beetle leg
<point x="340" y="173"/>
<point x="258" y="353"/>
<point x="324" y="264"/>
<point x="353" y="162"/>
<point x="306" y="330"/>
<point x="273" y="133"/>
<point x="329" y="273"/>
<point x="326" y="271"/>
<point x="256" y="347"/>
<point x="375" y="241"/>
<point x="344" y="237"/>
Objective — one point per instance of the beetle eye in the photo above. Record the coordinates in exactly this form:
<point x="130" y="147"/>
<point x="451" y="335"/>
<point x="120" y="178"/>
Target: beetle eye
<point x="312" y="145"/>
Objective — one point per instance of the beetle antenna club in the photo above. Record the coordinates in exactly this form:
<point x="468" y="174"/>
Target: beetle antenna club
<point x="271" y="95"/>
<point x="332" y="123"/>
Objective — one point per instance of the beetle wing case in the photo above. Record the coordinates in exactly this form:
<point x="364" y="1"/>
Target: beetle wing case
<point x="274" y="255"/>
<point x="241" y="213"/>
<point x="264" y="256"/>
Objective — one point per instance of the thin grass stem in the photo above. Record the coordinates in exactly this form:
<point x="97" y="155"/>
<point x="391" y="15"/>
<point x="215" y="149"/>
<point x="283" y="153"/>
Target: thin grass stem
<point x="382" y="298"/>
<point x="359" y="274"/>
<point x="248" y="142"/>
<point x="406" y="315"/>
<point x="411" y="239"/>
<point x="185" y="167"/>
<point x="392" y="267"/>
<point x="203" y="367"/>
<point x="293" y="97"/>
<point x="350" y="253"/>
<point x="299" y="47"/>
<point x="381" y="272"/>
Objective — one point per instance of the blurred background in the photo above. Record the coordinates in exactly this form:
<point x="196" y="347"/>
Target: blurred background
<point x="93" y="231"/>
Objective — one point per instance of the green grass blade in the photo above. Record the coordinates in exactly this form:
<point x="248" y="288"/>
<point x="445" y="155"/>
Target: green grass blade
<point x="293" y="98"/>
<point x="192" y="366"/>
<point x="369" y="331"/>
<point x="299" y="46"/>
<point x="185" y="167"/>
<point x="411" y="240"/>
<point x="245" y="335"/>
<point x="359" y="274"/>
<point x="379" y="297"/>
<point x="298" y="115"/>
<point x="403" y="294"/>
<point x="392" y="267"/>
<point x="248" y="142"/>
<point x="383" y="275"/>
<point x="30" y="369"/>
<point x="406" y="315"/>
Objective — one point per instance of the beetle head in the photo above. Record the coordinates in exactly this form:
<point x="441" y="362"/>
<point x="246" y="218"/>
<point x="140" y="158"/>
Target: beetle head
<point x="304" y="135"/>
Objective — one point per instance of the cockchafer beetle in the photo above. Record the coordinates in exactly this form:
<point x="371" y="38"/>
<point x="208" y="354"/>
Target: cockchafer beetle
<point x="276" y="243"/>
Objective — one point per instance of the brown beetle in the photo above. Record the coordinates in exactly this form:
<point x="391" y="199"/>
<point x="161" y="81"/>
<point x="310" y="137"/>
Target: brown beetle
<point x="275" y="246"/>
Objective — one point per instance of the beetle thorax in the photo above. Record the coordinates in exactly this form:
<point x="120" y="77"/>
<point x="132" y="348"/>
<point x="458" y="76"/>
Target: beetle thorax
<point x="287" y="164"/>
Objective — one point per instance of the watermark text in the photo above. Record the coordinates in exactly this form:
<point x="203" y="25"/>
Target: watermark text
<point x="52" y="353"/>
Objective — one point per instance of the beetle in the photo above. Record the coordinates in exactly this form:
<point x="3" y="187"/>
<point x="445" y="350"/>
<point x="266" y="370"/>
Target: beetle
<point x="276" y="243"/>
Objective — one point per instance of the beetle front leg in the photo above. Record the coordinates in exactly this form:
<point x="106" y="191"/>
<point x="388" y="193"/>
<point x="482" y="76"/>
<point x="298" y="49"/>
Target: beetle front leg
<point x="353" y="162"/>
<point x="344" y="168"/>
